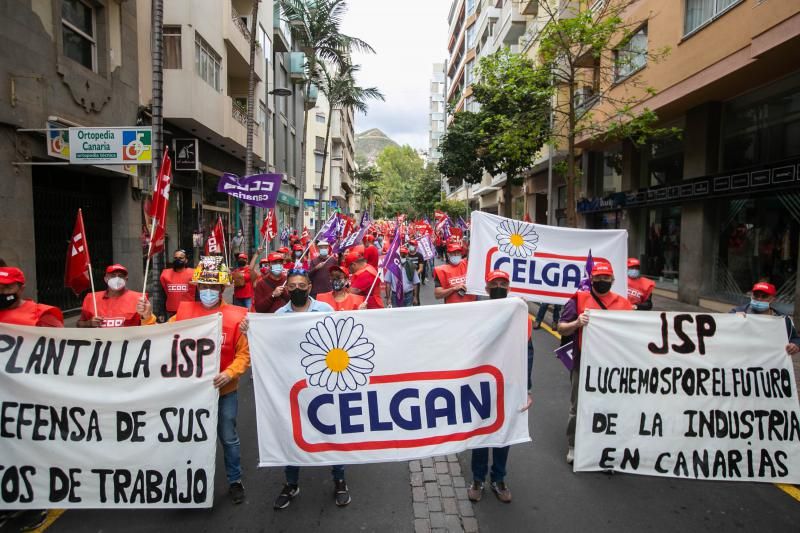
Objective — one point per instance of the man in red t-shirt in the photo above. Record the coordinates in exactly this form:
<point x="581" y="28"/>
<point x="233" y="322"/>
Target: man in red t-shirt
<point x="242" y="284"/>
<point x="177" y="282"/>
<point x="363" y="278"/>
<point x="270" y="293"/>
<point x="117" y="306"/>
<point x="15" y="310"/>
<point x="640" y="290"/>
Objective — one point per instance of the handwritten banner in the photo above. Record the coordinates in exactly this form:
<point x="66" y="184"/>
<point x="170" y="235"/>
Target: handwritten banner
<point x="386" y="385"/>
<point x="116" y="417"/>
<point x="695" y="396"/>
<point x="260" y="190"/>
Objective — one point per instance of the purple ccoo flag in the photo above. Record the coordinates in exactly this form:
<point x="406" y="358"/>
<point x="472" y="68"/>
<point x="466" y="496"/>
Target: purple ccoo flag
<point x="586" y="282"/>
<point x="391" y="262"/>
<point x="354" y="238"/>
<point x="260" y="190"/>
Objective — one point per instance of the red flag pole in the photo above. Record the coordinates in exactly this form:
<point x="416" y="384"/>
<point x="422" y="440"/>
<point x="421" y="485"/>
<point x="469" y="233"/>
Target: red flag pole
<point x="89" y="262"/>
<point x="149" y="248"/>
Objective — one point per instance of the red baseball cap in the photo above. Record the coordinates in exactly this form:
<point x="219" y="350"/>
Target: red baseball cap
<point x="497" y="274"/>
<point x="352" y="256"/>
<point x="283" y="250"/>
<point x="633" y="262"/>
<point x="766" y="288"/>
<point x="412" y="242"/>
<point x="602" y="269"/>
<point x="341" y="269"/>
<point x="403" y="250"/>
<point x="242" y="256"/>
<point x="454" y="247"/>
<point x="274" y="256"/>
<point x="9" y="275"/>
<point x="297" y="247"/>
<point x="116" y="268"/>
<point x="370" y="238"/>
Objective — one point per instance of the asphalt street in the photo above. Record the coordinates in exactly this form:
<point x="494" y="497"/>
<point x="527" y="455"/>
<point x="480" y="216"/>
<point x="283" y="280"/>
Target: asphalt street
<point x="548" y="496"/>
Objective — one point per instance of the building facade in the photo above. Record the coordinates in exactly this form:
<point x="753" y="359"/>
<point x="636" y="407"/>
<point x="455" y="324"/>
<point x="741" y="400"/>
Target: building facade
<point x="436" y="113"/>
<point x="66" y="63"/>
<point x="713" y="211"/>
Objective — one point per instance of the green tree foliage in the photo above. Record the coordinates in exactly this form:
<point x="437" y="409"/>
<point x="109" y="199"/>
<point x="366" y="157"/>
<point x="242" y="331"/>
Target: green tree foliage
<point x="460" y="148"/>
<point x="405" y="184"/>
<point x="367" y="180"/>
<point x="453" y="208"/>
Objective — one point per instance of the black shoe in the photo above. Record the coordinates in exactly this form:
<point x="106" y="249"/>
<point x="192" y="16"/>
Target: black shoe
<point x="288" y="493"/>
<point x="236" y="492"/>
<point x="341" y="494"/>
<point x="33" y="519"/>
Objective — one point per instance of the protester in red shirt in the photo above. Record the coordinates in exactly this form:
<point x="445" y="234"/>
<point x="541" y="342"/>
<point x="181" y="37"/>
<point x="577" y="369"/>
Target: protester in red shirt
<point x="177" y="282"/>
<point x="340" y="298"/>
<point x="242" y="284"/>
<point x="640" y="289"/>
<point x="363" y="278"/>
<point x="117" y="306"/>
<point x="270" y="294"/>
<point x="450" y="279"/>
<point x="371" y="253"/>
<point x="319" y="269"/>
<point x="15" y="310"/>
<point x="297" y="252"/>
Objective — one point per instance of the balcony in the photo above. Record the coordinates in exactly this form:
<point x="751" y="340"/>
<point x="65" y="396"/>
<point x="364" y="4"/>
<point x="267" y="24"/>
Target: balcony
<point x="237" y="38"/>
<point x="529" y="7"/>
<point x="281" y="31"/>
<point x="512" y="25"/>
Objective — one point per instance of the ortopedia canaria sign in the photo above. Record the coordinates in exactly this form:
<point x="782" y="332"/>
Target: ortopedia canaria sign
<point x="110" y="146"/>
<point x="544" y="263"/>
<point x="389" y="385"/>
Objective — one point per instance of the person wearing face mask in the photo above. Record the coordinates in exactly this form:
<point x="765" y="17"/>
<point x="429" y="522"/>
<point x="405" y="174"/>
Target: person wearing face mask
<point x="319" y="270"/>
<point x="211" y="277"/>
<point x="762" y="296"/>
<point x="15" y="310"/>
<point x="299" y="287"/>
<point x="574" y="318"/>
<point x="297" y="253"/>
<point x="371" y="253"/>
<point x="497" y="283"/>
<point x="640" y="289"/>
<point x="449" y="280"/>
<point x="419" y="264"/>
<point x="242" y="283"/>
<point x="340" y="298"/>
<point x="270" y="292"/>
<point x="237" y="243"/>
<point x="177" y="282"/>
<point x="117" y="306"/>
<point x="363" y="278"/>
<point x="288" y="264"/>
<point x="410" y="282"/>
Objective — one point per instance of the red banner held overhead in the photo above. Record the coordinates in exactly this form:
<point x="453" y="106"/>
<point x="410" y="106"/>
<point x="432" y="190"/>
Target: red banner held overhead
<point x="158" y="207"/>
<point x="76" y="274"/>
<point x="216" y="241"/>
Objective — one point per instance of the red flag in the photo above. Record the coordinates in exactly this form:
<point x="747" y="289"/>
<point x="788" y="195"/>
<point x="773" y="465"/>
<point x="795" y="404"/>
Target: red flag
<point x="269" y="229"/>
<point x="439" y="216"/>
<point x="158" y="207"/>
<point x="349" y="226"/>
<point x="527" y="218"/>
<point x="304" y="236"/>
<point x="215" y="242"/>
<point x="76" y="274"/>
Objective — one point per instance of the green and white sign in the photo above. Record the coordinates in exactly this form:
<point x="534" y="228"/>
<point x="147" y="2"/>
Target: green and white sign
<point x="110" y="146"/>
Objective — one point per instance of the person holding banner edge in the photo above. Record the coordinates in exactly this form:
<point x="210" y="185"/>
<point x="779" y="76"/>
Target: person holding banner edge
<point x="212" y="277"/>
<point x="763" y="295"/>
<point x="450" y="279"/>
<point x="497" y="283"/>
<point x="117" y="306"/>
<point x="574" y="318"/>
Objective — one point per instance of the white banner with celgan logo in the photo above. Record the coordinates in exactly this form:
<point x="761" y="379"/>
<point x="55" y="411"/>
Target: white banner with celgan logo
<point x="545" y="263"/>
<point x="389" y="384"/>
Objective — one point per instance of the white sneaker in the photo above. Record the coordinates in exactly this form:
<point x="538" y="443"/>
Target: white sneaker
<point x="570" y="455"/>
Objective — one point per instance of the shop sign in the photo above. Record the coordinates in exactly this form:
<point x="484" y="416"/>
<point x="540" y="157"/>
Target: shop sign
<point x="110" y="146"/>
<point x="284" y="198"/>
<point x="186" y="154"/>
<point x="58" y="146"/>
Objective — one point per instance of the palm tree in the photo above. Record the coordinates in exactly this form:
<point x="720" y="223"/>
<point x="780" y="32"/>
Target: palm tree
<point x="341" y="91"/>
<point x="251" y="96"/>
<point x="316" y="27"/>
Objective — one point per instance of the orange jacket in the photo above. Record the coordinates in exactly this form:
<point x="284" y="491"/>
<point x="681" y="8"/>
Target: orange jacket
<point x="33" y="314"/>
<point x="350" y="303"/>
<point x="450" y="276"/>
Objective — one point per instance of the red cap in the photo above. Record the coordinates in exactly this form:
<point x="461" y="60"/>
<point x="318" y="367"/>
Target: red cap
<point x="264" y="261"/>
<point x="412" y="242"/>
<point x="242" y="256"/>
<point x="274" y="256"/>
<point x="116" y="268"/>
<point x="341" y="269"/>
<point x="453" y="247"/>
<point x="283" y="250"/>
<point x="352" y="256"/>
<point x="359" y="249"/>
<point x="9" y="275"/>
<point x="297" y="247"/>
<point x="370" y="238"/>
<point x="633" y="262"/>
<point x="497" y="274"/>
<point x="403" y="250"/>
<point x="602" y="269"/>
<point x="766" y="288"/>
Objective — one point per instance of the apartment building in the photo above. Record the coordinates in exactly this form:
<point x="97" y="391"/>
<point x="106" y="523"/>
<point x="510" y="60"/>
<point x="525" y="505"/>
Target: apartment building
<point x="315" y="140"/>
<point x="66" y="63"/>
<point x="719" y="208"/>
<point x="343" y="160"/>
<point x="436" y="113"/>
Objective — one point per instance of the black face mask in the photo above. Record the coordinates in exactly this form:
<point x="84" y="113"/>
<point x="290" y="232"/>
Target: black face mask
<point x="241" y="263"/>
<point x="497" y="293"/>
<point x="298" y="297"/>
<point x="7" y="300"/>
<point x="178" y="263"/>
<point x="338" y="284"/>
<point x="601" y="287"/>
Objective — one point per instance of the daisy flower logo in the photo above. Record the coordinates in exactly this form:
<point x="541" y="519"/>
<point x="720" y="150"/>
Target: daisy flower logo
<point x="337" y="355"/>
<point x="516" y="238"/>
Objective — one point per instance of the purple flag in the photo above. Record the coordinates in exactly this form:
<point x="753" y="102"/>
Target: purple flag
<point x="260" y="190"/>
<point x="391" y="262"/>
<point x="330" y="230"/>
<point x="461" y="224"/>
<point x="566" y="355"/>
<point x="586" y="283"/>
<point x="354" y="238"/>
<point x="365" y="220"/>
<point x="285" y="235"/>
<point x="445" y="225"/>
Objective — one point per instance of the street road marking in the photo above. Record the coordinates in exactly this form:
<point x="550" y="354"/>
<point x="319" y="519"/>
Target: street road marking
<point x="52" y="516"/>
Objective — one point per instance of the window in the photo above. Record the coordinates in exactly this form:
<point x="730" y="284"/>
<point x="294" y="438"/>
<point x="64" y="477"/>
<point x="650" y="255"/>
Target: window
<point x="699" y="12"/>
<point x="78" y="29"/>
<point x="320" y="144"/>
<point x="471" y="32"/>
<point x="470" y="77"/>
<point x="172" y="47"/>
<point x="320" y="118"/>
<point x="631" y="55"/>
<point x="207" y="62"/>
<point x="263" y="41"/>
<point x="262" y="114"/>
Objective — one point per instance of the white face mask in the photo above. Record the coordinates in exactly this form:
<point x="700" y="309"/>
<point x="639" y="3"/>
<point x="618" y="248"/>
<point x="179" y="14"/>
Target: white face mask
<point x="323" y="252"/>
<point x="455" y="259"/>
<point x="116" y="284"/>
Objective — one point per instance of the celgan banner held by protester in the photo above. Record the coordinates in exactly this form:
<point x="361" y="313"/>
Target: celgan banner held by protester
<point x="389" y="384"/>
<point x="693" y="396"/>
<point x="113" y="417"/>
<point x="546" y="263"/>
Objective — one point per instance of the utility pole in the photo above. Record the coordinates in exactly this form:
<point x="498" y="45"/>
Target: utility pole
<point x="157" y="49"/>
<point x="251" y="95"/>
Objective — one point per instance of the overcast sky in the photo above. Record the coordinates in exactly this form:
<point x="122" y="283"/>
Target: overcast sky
<point x="408" y="36"/>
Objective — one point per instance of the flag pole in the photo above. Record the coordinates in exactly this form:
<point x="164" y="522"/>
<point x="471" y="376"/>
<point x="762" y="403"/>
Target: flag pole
<point x="91" y="276"/>
<point x="149" y="249"/>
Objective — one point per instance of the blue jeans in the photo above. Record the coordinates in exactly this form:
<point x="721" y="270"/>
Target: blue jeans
<point x="408" y="299"/>
<point x="543" y="310"/>
<point x="293" y="473"/>
<point x="243" y="302"/>
<point x="480" y="463"/>
<point x="229" y="436"/>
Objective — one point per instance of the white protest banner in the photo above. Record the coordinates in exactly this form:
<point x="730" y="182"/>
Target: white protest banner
<point x="109" y="417"/>
<point x="695" y="396"/>
<point x="546" y="263"/>
<point x="426" y="248"/>
<point x="389" y="384"/>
